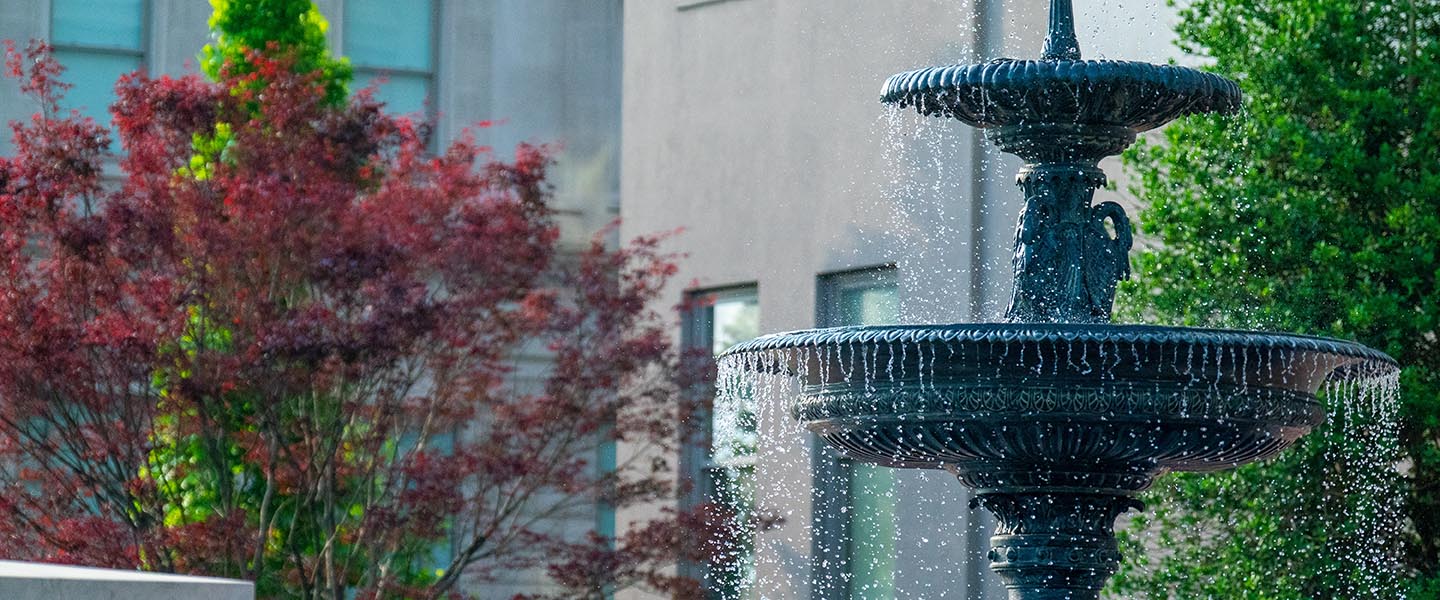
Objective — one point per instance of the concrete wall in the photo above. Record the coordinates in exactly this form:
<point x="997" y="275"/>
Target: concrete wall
<point x="35" y="581"/>
<point x="754" y="125"/>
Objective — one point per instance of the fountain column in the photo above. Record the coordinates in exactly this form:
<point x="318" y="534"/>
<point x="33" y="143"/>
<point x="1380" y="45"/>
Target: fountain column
<point x="1061" y="43"/>
<point x="1069" y="255"/>
<point x="1053" y="546"/>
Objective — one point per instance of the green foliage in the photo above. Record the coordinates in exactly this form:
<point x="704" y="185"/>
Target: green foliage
<point x="180" y="463"/>
<point x="1316" y="210"/>
<point x="295" y="27"/>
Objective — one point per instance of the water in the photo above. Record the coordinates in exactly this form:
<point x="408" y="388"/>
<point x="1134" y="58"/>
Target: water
<point x="947" y="218"/>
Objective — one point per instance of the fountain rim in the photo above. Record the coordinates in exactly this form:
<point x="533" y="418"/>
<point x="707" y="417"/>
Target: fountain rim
<point x="1012" y="71"/>
<point x="1056" y="332"/>
<point x="964" y="92"/>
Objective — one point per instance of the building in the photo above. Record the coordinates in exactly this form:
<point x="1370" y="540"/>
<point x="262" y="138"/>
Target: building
<point x="543" y="71"/>
<point x="755" y="125"/>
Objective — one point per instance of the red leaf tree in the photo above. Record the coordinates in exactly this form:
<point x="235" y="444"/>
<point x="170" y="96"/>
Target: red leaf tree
<point x="282" y="347"/>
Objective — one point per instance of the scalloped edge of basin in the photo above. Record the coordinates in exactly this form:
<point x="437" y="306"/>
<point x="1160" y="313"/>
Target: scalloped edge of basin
<point x="1067" y="405"/>
<point x="1135" y="95"/>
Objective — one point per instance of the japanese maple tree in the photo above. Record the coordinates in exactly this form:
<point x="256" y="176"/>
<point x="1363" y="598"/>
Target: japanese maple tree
<point x="281" y="346"/>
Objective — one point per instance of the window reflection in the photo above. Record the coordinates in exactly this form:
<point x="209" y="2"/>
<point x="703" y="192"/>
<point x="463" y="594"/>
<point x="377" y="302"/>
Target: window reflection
<point x="97" y="41"/>
<point x="394" y="42"/>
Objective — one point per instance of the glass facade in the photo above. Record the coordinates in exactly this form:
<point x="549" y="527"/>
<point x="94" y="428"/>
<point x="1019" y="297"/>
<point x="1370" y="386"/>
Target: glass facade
<point x="725" y="469"/>
<point x="393" y="41"/>
<point x="854" y="504"/>
<point x="97" y="41"/>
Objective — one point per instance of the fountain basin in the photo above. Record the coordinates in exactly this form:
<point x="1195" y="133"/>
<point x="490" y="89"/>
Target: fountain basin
<point x="1056" y="426"/>
<point x="1007" y="406"/>
<point x="1134" y="96"/>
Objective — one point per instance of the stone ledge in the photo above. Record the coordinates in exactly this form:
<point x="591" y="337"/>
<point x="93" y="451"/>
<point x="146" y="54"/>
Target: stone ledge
<point x="36" y="581"/>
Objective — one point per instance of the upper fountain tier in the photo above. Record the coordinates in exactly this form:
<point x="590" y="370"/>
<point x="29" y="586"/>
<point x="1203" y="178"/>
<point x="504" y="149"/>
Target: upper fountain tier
<point x="1062" y="89"/>
<point x="1133" y="95"/>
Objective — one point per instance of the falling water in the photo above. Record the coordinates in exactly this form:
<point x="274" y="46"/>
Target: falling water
<point x="1362" y="455"/>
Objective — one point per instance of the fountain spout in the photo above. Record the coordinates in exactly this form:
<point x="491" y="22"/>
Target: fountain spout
<point x="1060" y="42"/>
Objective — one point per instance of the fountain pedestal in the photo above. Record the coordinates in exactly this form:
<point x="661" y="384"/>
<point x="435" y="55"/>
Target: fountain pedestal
<point x="1055" y="545"/>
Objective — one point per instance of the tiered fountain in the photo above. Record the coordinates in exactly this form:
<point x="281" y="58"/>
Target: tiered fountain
<point x="1056" y="417"/>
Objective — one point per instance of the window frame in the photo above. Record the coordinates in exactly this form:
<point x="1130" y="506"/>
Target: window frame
<point x="698" y="469"/>
<point x="832" y="474"/>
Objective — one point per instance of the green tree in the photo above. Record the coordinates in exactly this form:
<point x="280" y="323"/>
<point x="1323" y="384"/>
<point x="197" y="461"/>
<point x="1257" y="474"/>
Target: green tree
<point x="1316" y="210"/>
<point x="243" y="30"/>
<point x="293" y="27"/>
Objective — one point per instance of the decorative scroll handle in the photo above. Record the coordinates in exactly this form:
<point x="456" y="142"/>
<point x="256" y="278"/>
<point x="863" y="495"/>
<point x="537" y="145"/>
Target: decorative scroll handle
<point x="1067" y="264"/>
<point x="1108" y="260"/>
<point x="1123" y="240"/>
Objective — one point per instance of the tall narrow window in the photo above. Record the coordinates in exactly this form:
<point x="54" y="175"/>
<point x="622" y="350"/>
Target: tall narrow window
<point x="395" y="41"/>
<point x="724" y="468"/>
<point x="97" y="41"/>
<point x="854" y="504"/>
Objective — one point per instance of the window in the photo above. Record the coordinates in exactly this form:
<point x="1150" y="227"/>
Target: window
<point x="97" y="41"/>
<point x="853" y="548"/>
<point x="723" y="470"/>
<point x="394" y="41"/>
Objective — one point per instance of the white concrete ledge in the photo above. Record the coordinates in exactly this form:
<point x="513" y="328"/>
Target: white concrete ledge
<point x="38" y="581"/>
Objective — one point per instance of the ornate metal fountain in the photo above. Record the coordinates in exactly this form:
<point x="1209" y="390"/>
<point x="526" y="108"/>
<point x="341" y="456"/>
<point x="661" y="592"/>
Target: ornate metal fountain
<point x="1057" y="418"/>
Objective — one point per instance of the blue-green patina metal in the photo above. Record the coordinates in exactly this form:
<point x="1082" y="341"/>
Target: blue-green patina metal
<point x="1057" y="418"/>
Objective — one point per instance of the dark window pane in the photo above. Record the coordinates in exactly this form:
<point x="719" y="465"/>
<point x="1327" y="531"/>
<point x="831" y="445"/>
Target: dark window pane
<point x="94" y="76"/>
<point x="402" y="93"/>
<point x="106" y="23"/>
<point x="868" y="528"/>
<point x="872" y="533"/>
<point x="873" y="305"/>
<point x="390" y="34"/>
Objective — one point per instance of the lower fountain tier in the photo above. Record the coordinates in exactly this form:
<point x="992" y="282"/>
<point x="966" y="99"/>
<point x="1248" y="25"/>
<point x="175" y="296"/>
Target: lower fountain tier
<point x="1050" y="431"/>
<point x="1103" y="406"/>
<point x="1057" y="426"/>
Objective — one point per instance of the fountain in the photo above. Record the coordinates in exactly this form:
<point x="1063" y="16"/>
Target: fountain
<point x="1056" y="417"/>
